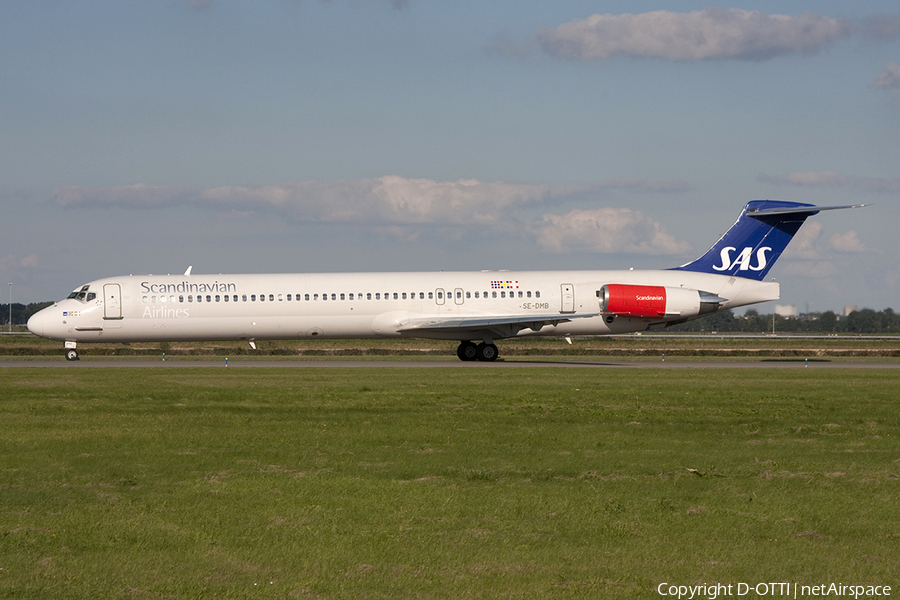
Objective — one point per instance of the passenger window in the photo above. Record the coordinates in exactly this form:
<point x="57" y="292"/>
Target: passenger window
<point x="234" y="298"/>
<point x="476" y="294"/>
<point x="503" y="294"/>
<point x="493" y="294"/>
<point x="440" y="295"/>
<point x="226" y="298"/>
<point x="369" y="296"/>
<point x="334" y="296"/>
<point x="280" y="297"/>
<point x="145" y="299"/>
<point x="404" y="295"/>
<point x="262" y="297"/>
<point x="351" y="297"/>
<point x="271" y="297"/>
<point x="218" y="299"/>
<point x="190" y="298"/>
<point x="468" y="294"/>
<point x="431" y="295"/>
<point x="378" y="295"/>
<point x="344" y="297"/>
<point x="181" y="299"/>
<point x="528" y="294"/>
<point x="153" y="299"/>
<point x="537" y="294"/>
<point x="209" y="298"/>
<point x="306" y="297"/>
<point x="199" y="298"/>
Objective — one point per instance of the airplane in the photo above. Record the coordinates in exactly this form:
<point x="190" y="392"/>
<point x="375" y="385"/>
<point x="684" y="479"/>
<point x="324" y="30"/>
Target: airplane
<point x="474" y="308"/>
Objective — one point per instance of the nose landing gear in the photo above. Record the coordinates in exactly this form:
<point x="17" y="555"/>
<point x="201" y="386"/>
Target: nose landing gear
<point x="71" y="352"/>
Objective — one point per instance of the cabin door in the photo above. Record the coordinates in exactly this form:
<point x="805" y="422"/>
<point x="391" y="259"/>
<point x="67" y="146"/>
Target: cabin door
<point x="112" y="301"/>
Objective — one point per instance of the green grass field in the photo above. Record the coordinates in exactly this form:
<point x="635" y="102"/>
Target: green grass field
<point x="443" y="483"/>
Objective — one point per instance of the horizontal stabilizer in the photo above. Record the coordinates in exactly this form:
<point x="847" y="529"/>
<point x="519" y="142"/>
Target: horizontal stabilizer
<point x="809" y="209"/>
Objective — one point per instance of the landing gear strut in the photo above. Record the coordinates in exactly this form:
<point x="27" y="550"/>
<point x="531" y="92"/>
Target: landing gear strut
<point x="470" y="351"/>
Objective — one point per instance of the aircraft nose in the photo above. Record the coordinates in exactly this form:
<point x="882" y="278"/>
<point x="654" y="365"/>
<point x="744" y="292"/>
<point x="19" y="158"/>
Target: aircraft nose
<point x="36" y="323"/>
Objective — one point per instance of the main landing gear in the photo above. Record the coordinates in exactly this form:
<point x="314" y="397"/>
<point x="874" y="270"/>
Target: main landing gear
<point x="470" y="351"/>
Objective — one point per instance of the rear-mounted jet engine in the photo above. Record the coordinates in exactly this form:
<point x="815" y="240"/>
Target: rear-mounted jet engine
<point x="656" y="302"/>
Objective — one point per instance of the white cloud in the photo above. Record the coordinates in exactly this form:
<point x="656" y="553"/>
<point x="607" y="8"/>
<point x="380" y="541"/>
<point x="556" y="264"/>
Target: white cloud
<point x="846" y="242"/>
<point x="805" y="243"/>
<point x="706" y="34"/>
<point x="888" y="79"/>
<point x="386" y="200"/>
<point x="402" y="207"/>
<point x="606" y="230"/>
<point x="12" y="267"/>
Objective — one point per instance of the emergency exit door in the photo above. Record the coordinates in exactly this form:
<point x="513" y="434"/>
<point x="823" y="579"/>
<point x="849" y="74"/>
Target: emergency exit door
<point x="567" y="292"/>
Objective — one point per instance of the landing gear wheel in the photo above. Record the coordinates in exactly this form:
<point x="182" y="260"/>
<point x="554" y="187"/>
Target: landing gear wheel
<point x="467" y="351"/>
<point x="71" y="354"/>
<point x="487" y="352"/>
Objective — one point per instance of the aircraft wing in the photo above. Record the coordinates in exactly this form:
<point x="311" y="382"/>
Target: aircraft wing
<point x="497" y="327"/>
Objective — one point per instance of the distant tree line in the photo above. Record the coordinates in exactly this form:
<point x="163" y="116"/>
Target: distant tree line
<point x="20" y="312"/>
<point x="861" y="321"/>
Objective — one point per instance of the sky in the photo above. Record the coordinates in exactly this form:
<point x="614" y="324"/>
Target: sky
<point x="414" y="135"/>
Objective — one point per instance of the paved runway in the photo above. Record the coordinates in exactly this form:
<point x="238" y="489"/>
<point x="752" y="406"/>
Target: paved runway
<point x="513" y="363"/>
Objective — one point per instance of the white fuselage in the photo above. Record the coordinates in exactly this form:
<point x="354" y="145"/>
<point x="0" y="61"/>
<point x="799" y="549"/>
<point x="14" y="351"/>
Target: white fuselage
<point x="362" y="305"/>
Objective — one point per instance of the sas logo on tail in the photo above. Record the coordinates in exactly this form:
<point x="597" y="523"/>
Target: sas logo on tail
<point x="743" y="259"/>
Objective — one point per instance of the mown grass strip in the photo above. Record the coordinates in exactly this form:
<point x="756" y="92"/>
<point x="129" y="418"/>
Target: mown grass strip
<point x="384" y="482"/>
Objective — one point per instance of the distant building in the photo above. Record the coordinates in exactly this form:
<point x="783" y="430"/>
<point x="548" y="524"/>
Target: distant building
<point x="786" y="310"/>
<point x="849" y="309"/>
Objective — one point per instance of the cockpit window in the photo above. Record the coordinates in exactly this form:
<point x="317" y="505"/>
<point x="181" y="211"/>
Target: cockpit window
<point x="82" y="294"/>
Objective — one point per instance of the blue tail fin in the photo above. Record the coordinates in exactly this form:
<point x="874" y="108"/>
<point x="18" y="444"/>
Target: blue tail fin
<point x="756" y="240"/>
